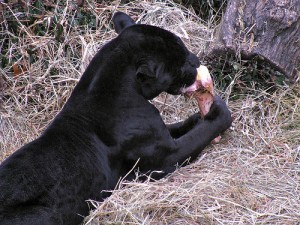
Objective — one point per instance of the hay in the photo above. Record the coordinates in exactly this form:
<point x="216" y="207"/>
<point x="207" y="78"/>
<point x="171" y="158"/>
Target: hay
<point x="251" y="177"/>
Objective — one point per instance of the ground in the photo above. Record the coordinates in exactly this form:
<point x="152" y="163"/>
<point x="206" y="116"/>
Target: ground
<point x="251" y="177"/>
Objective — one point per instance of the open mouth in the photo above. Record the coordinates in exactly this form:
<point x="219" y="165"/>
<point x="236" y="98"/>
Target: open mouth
<point x="203" y="82"/>
<point x="189" y="89"/>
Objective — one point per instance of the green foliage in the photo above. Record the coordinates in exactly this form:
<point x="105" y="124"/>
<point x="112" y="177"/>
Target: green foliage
<point x="245" y="76"/>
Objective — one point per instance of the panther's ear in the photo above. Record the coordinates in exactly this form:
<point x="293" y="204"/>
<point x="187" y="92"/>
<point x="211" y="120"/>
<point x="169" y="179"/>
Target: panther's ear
<point x="145" y="72"/>
<point x="121" y="21"/>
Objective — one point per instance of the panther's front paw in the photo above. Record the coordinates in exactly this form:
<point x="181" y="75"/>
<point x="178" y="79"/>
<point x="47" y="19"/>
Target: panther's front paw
<point x="220" y="113"/>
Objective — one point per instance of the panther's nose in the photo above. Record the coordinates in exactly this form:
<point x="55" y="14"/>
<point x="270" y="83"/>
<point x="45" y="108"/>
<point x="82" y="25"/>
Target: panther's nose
<point x="193" y="60"/>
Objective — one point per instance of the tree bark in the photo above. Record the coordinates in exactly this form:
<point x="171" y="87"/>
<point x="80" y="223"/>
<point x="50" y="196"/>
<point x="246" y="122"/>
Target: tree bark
<point x="269" y="29"/>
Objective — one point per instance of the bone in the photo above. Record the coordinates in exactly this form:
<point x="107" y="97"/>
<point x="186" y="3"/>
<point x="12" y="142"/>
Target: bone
<point x="204" y="93"/>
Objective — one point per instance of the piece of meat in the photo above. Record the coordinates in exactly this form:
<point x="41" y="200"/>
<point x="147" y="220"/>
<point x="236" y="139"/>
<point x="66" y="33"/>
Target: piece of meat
<point x="203" y="91"/>
<point x="204" y="100"/>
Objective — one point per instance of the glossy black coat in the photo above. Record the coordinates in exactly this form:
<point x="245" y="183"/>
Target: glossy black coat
<point x="106" y="126"/>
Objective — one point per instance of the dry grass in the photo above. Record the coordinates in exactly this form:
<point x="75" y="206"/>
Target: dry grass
<point x="251" y="177"/>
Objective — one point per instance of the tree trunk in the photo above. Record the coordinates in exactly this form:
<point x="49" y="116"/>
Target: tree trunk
<point x="269" y="29"/>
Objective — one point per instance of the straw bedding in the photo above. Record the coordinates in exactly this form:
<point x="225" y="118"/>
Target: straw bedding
<point x="251" y="177"/>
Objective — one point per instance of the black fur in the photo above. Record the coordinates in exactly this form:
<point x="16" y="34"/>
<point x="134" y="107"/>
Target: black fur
<point x="105" y="127"/>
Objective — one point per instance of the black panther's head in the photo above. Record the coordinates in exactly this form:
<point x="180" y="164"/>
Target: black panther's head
<point x="162" y="62"/>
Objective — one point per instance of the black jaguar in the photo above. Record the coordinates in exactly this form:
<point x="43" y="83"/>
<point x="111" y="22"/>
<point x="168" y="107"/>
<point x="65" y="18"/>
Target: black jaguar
<point x="106" y="127"/>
